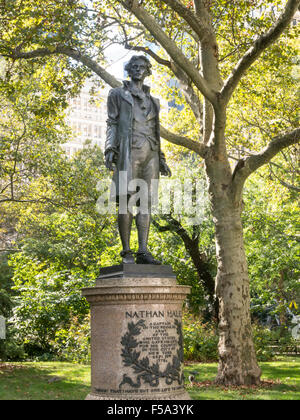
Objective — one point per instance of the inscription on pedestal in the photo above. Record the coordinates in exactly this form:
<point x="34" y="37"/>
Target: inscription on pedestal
<point x="137" y="343"/>
<point x="152" y="349"/>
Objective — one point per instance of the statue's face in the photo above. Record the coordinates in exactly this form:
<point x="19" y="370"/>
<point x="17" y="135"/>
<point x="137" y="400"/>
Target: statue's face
<point x="138" y="70"/>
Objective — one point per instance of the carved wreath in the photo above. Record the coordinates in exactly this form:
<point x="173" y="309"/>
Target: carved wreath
<point x="141" y="366"/>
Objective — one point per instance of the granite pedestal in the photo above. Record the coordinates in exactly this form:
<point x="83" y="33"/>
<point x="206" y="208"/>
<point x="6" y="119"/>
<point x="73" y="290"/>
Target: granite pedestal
<point x="136" y="335"/>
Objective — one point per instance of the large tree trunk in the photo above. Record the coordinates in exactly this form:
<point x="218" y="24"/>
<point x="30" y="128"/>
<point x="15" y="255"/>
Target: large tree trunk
<point x="237" y="362"/>
<point x="237" y="358"/>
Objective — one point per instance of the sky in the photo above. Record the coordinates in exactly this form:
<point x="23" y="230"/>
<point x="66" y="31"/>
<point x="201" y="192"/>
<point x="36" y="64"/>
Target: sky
<point x="117" y="55"/>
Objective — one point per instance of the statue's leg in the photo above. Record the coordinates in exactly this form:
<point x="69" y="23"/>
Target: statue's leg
<point x="150" y="171"/>
<point x="125" y="217"/>
<point x="125" y="224"/>
<point x="143" y="227"/>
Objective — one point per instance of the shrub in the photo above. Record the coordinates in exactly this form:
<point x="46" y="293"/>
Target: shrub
<point x="10" y="348"/>
<point x="263" y="339"/>
<point x="271" y="342"/>
<point x="200" y="340"/>
<point x="73" y="344"/>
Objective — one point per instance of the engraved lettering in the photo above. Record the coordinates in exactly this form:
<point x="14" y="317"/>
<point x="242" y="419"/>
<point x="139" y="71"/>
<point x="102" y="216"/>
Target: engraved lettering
<point x="145" y="314"/>
<point x="153" y="351"/>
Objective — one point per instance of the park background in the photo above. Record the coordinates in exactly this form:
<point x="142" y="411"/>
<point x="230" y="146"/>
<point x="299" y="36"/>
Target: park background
<point x="53" y="240"/>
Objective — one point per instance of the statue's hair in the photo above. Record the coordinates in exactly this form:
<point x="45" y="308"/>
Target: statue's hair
<point x="138" y="57"/>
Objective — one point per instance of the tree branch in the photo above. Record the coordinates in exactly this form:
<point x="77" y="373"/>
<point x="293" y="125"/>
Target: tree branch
<point x="9" y="250"/>
<point x="283" y="183"/>
<point x="247" y="166"/>
<point x="174" y="226"/>
<point x="145" y="50"/>
<point x="70" y="52"/>
<point x="148" y="51"/>
<point x="170" y="47"/>
<point x="201" y="24"/>
<point x="195" y="21"/>
<point x="199" y="258"/>
<point x="258" y="47"/>
<point x="200" y="148"/>
<point x="197" y="6"/>
<point x="188" y="91"/>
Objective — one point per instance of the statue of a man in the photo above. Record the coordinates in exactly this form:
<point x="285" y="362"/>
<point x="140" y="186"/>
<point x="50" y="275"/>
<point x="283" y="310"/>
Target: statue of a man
<point x="133" y="151"/>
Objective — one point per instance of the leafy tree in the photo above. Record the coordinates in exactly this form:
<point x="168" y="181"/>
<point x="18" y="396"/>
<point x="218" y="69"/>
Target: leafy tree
<point x="47" y="207"/>
<point x="272" y="245"/>
<point x="48" y="299"/>
<point x="61" y="242"/>
<point x="31" y="128"/>
<point x="210" y="47"/>
<point x="203" y="265"/>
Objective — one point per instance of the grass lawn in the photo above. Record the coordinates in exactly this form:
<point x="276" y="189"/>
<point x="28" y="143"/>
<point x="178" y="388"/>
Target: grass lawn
<point x="67" y="381"/>
<point x="280" y="381"/>
<point x="44" y="381"/>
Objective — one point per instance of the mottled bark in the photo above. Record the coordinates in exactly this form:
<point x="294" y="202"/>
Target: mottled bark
<point x="237" y="358"/>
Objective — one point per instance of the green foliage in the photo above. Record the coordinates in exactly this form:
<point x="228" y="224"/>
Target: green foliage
<point x="186" y="169"/>
<point x="61" y="241"/>
<point x="31" y="128"/>
<point x="263" y="340"/>
<point x="51" y="23"/>
<point x="48" y="299"/>
<point x="200" y="340"/>
<point x="9" y="348"/>
<point x="270" y="219"/>
<point x="266" y="101"/>
<point x="5" y="290"/>
<point x="271" y="343"/>
<point x="73" y="343"/>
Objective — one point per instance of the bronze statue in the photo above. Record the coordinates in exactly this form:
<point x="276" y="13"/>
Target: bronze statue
<point x="133" y="151"/>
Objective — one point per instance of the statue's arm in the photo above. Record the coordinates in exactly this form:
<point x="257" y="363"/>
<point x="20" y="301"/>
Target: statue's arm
<point x="111" y="143"/>
<point x="113" y="109"/>
<point x="163" y="167"/>
<point x="162" y="157"/>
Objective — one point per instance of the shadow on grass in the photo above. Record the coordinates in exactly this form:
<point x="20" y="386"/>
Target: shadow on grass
<point x="44" y="382"/>
<point x="204" y="371"/>
<point x="281" y="372"/>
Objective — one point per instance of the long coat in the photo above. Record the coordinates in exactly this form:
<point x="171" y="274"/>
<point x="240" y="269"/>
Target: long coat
<point x="119" y="131"/>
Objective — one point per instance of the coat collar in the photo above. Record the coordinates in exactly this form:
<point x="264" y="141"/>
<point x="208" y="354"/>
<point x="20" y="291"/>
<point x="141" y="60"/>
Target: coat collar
<point x="127" y="85"/>
<point x="127" y="93"/>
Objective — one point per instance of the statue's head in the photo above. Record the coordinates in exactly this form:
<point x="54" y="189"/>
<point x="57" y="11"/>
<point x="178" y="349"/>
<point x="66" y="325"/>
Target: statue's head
<point x="138" y="67"/>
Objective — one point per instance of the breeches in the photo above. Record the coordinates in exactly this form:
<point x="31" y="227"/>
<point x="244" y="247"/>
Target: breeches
<point x="145" y="170"/>
<point x="145" y="163"/>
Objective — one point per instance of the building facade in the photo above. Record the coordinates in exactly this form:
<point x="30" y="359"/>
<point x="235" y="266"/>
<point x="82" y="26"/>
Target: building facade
<point x="87" y="119"/>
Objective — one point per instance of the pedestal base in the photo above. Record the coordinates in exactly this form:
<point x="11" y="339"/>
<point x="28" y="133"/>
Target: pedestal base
<point x="177" y="397"/>
<point x="136" y="335"/>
